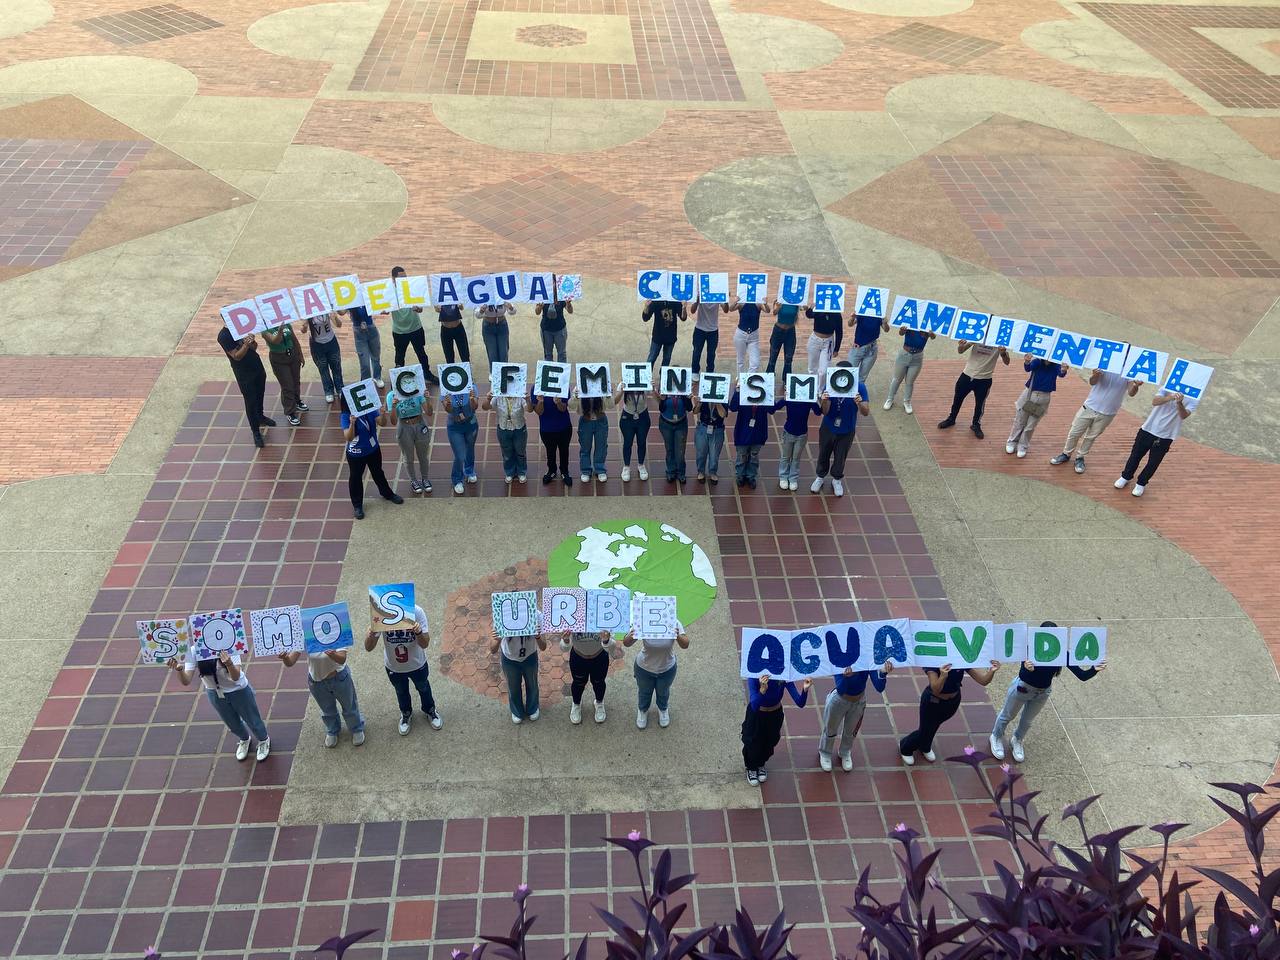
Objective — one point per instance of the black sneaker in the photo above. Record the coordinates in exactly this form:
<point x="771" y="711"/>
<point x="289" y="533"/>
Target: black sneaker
<point x="762" y="774"/>
<point x="947" y="423"/>
<point x="568" y="480"/>
<point x="1059" y="459"/>
<point x="268" y="422"/>
<point x="294" y="419"/>
<point x="431" y="378"/>
<point x="548" y="477"/>
<point x="258" y="441"/>
<point x="977" y="431"/>
<point x="303" y="407"/>
<point x="359" y="513"/>
<point x="753" y="778"/>
<point x="395" y="498"/>
<point x="752" y="485"/>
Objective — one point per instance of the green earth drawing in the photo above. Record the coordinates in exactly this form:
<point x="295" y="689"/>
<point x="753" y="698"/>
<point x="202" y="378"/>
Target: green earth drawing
<point x="645" y="556"/>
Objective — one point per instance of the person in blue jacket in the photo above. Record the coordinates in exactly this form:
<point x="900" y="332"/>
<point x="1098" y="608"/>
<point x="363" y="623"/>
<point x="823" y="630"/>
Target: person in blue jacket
<point x="750" y="431"/>
<point x="842" y="713"/>
<point x="762" y="726"/>
<point x="795" y="435"/>
<point x="835" y="434"/>
<point x="1033" y="402"/>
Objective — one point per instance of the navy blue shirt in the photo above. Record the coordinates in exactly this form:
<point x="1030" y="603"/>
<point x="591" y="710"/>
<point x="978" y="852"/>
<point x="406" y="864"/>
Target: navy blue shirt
<point x="772" y="695"/>
<point x="953" y="681"/>
<point x="1042" y="677"/>
<point x="709" y="413"/>
<point x="749" y="317"/>
<point x="365" y="440"/>
<point x="842" y="412"/>
<point x="798" y="413"/>
<point x="751" y="429"/>
<point x="1045" y="374"/>
<point x="856" y="684"/>
<point x="552" y="419"/>
<point x="867" y="330"/>
<point x="448" y="314"/>
<point x="914" y="341"/>
<point x="360" y="317"/>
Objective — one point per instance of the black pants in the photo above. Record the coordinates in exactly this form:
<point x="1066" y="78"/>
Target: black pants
<point x="419" y="679"/>
<point x="782" y="340"/>
<point x="1153" y="448"/>
<point x="710" y="339"/>
<point x="966" y="385"/>
<point x="451" y="337"/>
<point x="761" y="731"/>
<point x="833" y="451"/>
<point x="253" y="391"/>
<point x="355" y="476"/>
<point x="556" y="443"/>
<point x="583" y="669"/>
<point x="418" y="340"/>
<point x="933" y="714"/>
<point x="635" y="430"/>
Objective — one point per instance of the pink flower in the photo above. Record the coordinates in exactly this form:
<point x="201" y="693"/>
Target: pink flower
<point x="633" y="836"/>
<point x="1005" y="767"/>
<point x="900" y="828"/>
<point x="969" y="751"/>
<point x="1253" y="930"/>
<point x="523" y="888"/>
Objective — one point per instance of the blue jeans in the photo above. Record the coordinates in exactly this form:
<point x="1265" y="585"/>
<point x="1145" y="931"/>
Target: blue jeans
<point x="328" y="360"/>
<point x="239" y="711"/>
<point x="369" y="350"/>
<point x="782" y="340"/>
<point x="790" y="452"/>
<point x="665" y="349"/>
<point x="864" y="358"/>
<point x="421" y="680"/>
<point x="747" y="461"/>
<point x="513" y="444"/>
<point x="708" y="442"/>
<point x="462" y="441"/>
<point x="559" y="339"/>
<point x="710" y="339"/>
<point x="634" y="430"/>
<point x="334" y="693"/>
<point x="593" y="439"/>
<point x="650" y="685"/>
<point x="674" y="436"/>
<point x="1021" y="696"/>
<point x="497" y="341"/>
<point x="522" y="674"/>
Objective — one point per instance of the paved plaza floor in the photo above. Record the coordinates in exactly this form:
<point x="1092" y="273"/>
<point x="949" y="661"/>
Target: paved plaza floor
<point x="1107" y="167"/>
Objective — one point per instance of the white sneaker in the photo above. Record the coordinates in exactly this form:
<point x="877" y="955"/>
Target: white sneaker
<point x="997" y="747"/>
<point x="846" y="762"/>
<point x="242" y="749"/>
<point x="664" y="718"/>
<point x="575" y="713"/>
<point x="910" y="761"/>
<point x="599" y="712"/>
<point x="585" y="477"/>
<point x="888" y="405"/>
<point x="1121" y="483"/>
<point x="1021" y="454"/>
<point x="602" y="476"/>
<point x="437" y="723"/>
<point x="523" y="477"/>
<point x="824" y="761"/>
<point x="1010" y="447"/>
<point x="516" y="720"/>
<point x="626" y="474"/>
<point x="328" y="398"/>
<point x="816" y="486"/>
<point x="357" y="739"/>
<point x="264" y="749"/>
<point x="782" y="483"/>
<point x="837" y="487"/>
<point x="330" y="740"/>
<point x="930" y="756"/>
<point x="1138" y="490"/>
<point x="508" y="481"/>
<point x="906" y="407"/>
<point x="378" y="381"/>
<point x="405" y="720"/>
<point x="642" y="719"/>
<point x="532" y="717"/>
<point x="458" y="488"/>
<point x="1018" y="753"/>
<point x="644" y="472"/>
<point x="473" y="479"/>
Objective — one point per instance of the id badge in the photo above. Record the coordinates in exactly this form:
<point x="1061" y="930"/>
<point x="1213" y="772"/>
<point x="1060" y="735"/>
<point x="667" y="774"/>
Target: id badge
<point x="424" y="429"/>
<point x="837" y="421"/>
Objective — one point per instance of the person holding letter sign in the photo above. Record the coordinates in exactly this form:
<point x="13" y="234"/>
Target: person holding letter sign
<point x="708" y="439"/>
<point x="843" y="712"/>
<point x="404" y="654"/>
<point x="907" y="366"/>
<point x="556" y="429"/>
<point x="593" y="435"/>
<point x="706" y="333"/>
<point x="782" y="338"/>
<point x="553" y="327"/>
<point x="1155" y="437"/>
<point x="866" y="343"/>
<point x="406" y="332"/>
<point x="795" y="436"/>
<point x="325" y="352"/>
<point x="975" y="378"/>
<point x="332" y="688"/>
<point x="495" y="331"/>
<point x="462" y="430"/>
<point x="939" y="701"/>
<point x="286" y="364"/>
<point x="513" y="434"/>
<point x="369" y="344"/>
<point x="762" y="726"/>
<point x="634" y="424"/>
<point x="667" y="315"/>
<point x="251" y="378"/>
<point x="746" y="338"/>
<point x="1033" y="402"/>
<point x="453" y="335"/>
<point x="588" y="662"/>
<point x="364" y="452"/>
<point x="750" y="431"/>
<point x="411" y="417"/>
<point x="673" y="424"/>
<point x="229" y="692"/>
<point x="1106" y="394"/>
<point x="836" y="432"/>
<point x="519" y="658"/>
<point x="655" y="672"/>
<point x="824" y="343"/>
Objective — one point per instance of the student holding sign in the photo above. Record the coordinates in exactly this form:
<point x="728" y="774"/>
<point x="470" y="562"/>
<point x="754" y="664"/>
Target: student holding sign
<point x="229" y="692"/>
<point x="325" y="352"/>
<point x="655" y="672"/>
<point x="588" y="662"/>
<point x="708" y="439"/>
<point x="251" y="378"/>
<point x="495" y="331"/>
<point x="667" y="315"/>
<point x="907" y="366"/>
<point x="750" y="433"/>
<point x="866" y="343"/>
<point x="762" y="726"/>
<point x="411" y="417"/>
<point x="976" y="377"/>
<point x="746" y="338"/>
<point x="286" y="364"/>
<point x="404" y="654"/>
<point x="1154" y="438"/>
<point x="706" y="333"/>
<point x="593" y="435"/>
<point x="513" y="434"/>
<point x="554" y="328"/>
<point x="453" y="335"/>
<point x="369" y="344"/>
<point x="795" y="436"/>
<point x="824" y="343"/>
<point x="556" y="429"/>
<point x="1033" y="403"/>
<point x="939" y="701"/>
<point x="836" y="433"/>
<point x="406" y="332"/>
<point x="673" y="424"/>
<point x="1106" y="394"/>
<point x="364" y="452"/>
<point x="782" y="338"/>
<point x="634" y="424"/>
<point x="843" y="712"/>
<point x="519" y="658"/>
<point x="462" y="430"/>
<point x="333" y="689"/>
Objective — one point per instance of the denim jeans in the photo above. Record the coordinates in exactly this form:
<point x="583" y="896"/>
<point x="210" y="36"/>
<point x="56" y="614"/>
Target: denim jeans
<point x="522" y="685"/>
<point x="709" y="339"/>
<point x="905" y="370"/>
<point x="841" y="720"/>
<point x="666" y="349"/>
<point x="1021" y="696"/>
<point x="420" y="679"/>
<point x="746" y="462"/>
<point x="462" y="441"/>
<point x="328" y="360"/>
<point x="634" y="429"/>
<point x="369" y="350"/>
<point x="708" y="442"/>
<point x="513" y="444"/>
<point x="651" y="685"/>
<point x="790" y="452"/>
<point x="674" y="436"/>
<point x="239" y="711"/>
<point x="334" y="693"/>
<point x="559" y="339"/>
<point x="864" y="358"/>
<point x="497" y="341"/>
<point x="782" y="340"/>
<point x="593" y="440"/>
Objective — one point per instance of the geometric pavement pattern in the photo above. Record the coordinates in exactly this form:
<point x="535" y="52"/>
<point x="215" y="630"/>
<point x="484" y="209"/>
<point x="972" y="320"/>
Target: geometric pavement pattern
<point x="937" y="44"/>
<point x="132" y="27"/>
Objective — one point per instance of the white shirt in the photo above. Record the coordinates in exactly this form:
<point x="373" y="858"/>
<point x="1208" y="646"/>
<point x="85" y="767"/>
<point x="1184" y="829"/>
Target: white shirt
<point x="658" y="656"/>
<point x="400" y="650"/>
<point x="221" y="682"/>
<point x="708" y="319"/>
<point x="1164" y="421"/>
<point x="320" y="666"/>
<point x="519" y="649"/>
<point x="1106" y="396"/>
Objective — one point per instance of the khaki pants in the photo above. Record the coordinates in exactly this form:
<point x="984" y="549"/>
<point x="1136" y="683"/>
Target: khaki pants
<point x="1085" y="428"/>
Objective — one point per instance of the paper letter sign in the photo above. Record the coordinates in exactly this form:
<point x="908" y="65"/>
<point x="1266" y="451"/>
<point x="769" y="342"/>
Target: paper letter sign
<point x="872" y="302"/>
<point x="446" y="289"/>
<point x="243" y="318"/>
<point x="163" y="639"/>
<point x="569" y="287"/>
<point x="652" y="284"/>
<point x="593" y="380"/>
<point x="1087" y="647"/>
<point x="828" y="297"/>
<point x="408" y="382"/>
<point x="637" y="377"/>
<point x="793" y="289"/>
<point x="802" y="387"/>
<point x="553" y="379"/>
<point x="564" y="608"/>
<point x="906" y="313"/>
<point x="684" y="287"/>
<point x="713" y="287"/>
<point x="714" y="387"/>
<point x="937" y="317"/>
<point x="755" y="389"/>
<point x="516" y="614"/>
<point x="345" y="292"/>
<point x="414" y="291"/>
<point x="653" y="618"/>
<point x="971" y="326"/>
<point x="362" y="398"/>
<point x="1106" y="355"/>
<point x="509" y="379"/>
<point x="327" y="628"/>
<point x="536" y="287"/>
<point x="1005" y="332"/>
<point x="380" y="296"/>
<point x="1144" y="365"/>
<point x="1188" y="378"/>
<point x="842" y="381"/>
<point x="391" y="606"/>
<point x="454" y="377"/>
<point x="888" y="640"/>
<point x="676" y="381"/>
<point x="929" y="643"/>
<point x="608" y="610"/>
<point x="971" y="643"/>
<point x="1036" y="340"/>
<point x="1070" y="348"/>
<point x="1011" y="642"/>
<point x="753" y="287"/>
<point x="277" y="630"/>
<point x="215" y="633"/>
<point x="1047" y="646"/>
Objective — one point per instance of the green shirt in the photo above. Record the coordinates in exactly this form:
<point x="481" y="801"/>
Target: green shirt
<point x="405" y="321"/>
<point x="286" y="344"/>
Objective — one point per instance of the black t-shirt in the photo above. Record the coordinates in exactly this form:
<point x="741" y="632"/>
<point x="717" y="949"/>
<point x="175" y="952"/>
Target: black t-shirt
<point x="665" y="316"/>
<point x="448" y="314"/>
<point x="553" y="316"/>
<point x="247" y="368"/>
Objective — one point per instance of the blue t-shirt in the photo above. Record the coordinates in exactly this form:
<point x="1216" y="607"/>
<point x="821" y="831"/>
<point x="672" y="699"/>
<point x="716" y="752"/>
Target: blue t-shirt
<point x="464" y="408"/>
<point x="842" y="413"/>
<point x="772" y="695"/>
<point x="914" y="341"/>
<point x="675" y="409"/>
<point x="360" y="317"/>
<point x="552" y="419"/>
<point x="866" y="330"/>
<point x="749" y="317"/>
<point x="1044" y="375"/>
<point x="798" y="413"/>
<point x="365" y="440"/>
<point x="408" y="407"/>
<point x="787" y="314"/>
<point x="856" y="684"/>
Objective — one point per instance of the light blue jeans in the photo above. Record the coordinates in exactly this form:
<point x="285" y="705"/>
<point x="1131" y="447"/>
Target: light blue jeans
<point x="335" y="693"/>
<point x="462" y="441"/>
<point x="522" y="685"/>
<point x="1021" y="696"/>
<point x="497" y="341"/>
<point x="593" y="443"/>
<point x="239" y="711"/>
<point x="369" y="350"/>
<point x="651" y="685"/>
<point x="708" y="442"/>
<point x="328" y="360"/>
<point x="864" y="358"/>
<point x="790" y="452"/>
